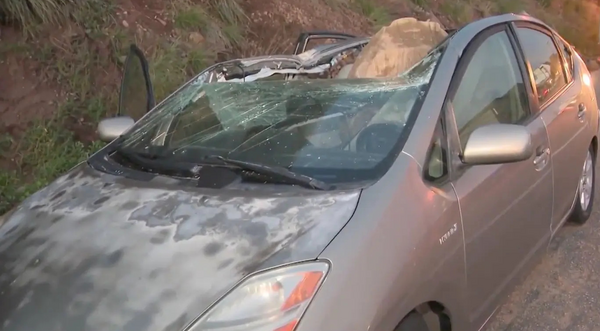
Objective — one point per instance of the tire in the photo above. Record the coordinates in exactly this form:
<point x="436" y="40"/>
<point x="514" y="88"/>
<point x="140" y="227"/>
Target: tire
<point x="582" y="210"/>
<point x="412" y="322"/>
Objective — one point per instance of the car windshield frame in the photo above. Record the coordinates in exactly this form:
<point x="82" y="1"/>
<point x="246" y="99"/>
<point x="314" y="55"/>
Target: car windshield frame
<point x="140" y="139"/>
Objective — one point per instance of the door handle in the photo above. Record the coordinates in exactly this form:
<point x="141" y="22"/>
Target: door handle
<point x="581" y="110"/>
<point x="541" y="158"/>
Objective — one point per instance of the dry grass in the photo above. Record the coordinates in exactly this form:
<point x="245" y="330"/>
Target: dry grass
<point x="221" y="22"/>
<point x="575" y="20"/>
<point x="30" y="15"/>
<point x="460" y="12"/>
<point x="375" y="13"/>
<point x="27" y="12"/>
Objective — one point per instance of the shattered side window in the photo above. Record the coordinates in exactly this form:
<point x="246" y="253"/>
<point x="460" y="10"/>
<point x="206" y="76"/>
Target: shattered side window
<point x="423" y="70"/>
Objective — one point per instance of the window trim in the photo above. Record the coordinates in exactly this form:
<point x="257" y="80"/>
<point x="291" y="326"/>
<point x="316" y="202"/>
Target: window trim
<point x="467" y="55"/>
<point x="465" y="60"/>
<point x="568" y="64"/>
<point x="442" y="131"/>
<point x="454" y="149"/>
<point x="544" y="30"/>
<point x="526" y="73"/>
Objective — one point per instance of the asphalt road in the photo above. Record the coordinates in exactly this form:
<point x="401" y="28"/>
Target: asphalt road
<point x="563" y="291"/>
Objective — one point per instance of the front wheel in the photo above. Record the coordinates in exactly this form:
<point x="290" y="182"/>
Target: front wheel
<point x="585" y="190"/>
<point x="413" y="322"/>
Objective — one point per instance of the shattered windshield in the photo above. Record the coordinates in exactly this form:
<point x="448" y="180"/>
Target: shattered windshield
<point x="335" y="130"/>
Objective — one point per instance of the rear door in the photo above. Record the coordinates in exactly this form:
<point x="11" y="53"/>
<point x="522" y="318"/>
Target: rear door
<point x="566" y="117"/>
<point x="506" y="208"/>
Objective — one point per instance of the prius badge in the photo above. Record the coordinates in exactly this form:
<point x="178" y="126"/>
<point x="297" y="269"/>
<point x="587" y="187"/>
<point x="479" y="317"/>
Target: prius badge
<point x="447" y="235"/>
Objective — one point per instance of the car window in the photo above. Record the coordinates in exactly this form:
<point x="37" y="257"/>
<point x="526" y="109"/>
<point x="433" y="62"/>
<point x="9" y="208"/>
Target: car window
<point x="568" y="55"/>
<point x="490" y="91"/>
<point x="436" y="166"/>
<point x="545" y="62"/>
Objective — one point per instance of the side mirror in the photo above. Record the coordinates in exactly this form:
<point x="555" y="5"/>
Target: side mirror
<point x="498" y="143"/>
<point x="110" y="129"/>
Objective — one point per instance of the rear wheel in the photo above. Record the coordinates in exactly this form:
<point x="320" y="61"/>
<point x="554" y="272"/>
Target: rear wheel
<point x="585" y="190"/>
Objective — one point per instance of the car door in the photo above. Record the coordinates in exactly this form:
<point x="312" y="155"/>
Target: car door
<point x="565" y="115"/>
<point x="136" y="97"/>
<point x="505" y="208"/>
<point x="305" y="37"/>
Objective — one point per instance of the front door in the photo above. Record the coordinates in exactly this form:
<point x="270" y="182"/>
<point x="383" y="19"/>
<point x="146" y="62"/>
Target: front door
<point x="136" y="97"/>
<point x="506" y="208"/>
<point x="565" y="114"/>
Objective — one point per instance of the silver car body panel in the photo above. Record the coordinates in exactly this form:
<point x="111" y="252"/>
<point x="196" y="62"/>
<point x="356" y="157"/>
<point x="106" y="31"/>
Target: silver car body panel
<point x="402" y="264"/>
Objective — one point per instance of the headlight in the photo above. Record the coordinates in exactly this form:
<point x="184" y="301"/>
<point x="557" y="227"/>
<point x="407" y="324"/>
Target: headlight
<point x="270" y="301"/>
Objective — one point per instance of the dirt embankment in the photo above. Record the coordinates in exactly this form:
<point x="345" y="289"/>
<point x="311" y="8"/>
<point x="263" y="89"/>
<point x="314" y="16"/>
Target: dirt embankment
<point x="58" y="80"/>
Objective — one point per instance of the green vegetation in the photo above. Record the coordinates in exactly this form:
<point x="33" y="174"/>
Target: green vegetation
<point x="576" y="20"/>
<point x="31" y="15"/>
<point x="50" y="147"/>
<point x="221" y="23"/>
<point x="421" y="3"/>
<point x="377" y="14"/>
<point x="509" y="6"/>
<point x="191" y="18"/>
<point x="45" y="151"/>
<point x="578" y="23"/>
<point x="458" y="11"/>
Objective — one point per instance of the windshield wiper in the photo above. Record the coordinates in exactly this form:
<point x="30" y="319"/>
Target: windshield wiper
<point x="276" y="173"/>
<point x="152" y="163"/>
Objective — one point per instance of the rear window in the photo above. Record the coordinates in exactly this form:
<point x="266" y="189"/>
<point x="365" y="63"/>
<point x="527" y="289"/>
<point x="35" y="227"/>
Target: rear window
<point x="567" y="52"/>
<point x="546" y="64"/>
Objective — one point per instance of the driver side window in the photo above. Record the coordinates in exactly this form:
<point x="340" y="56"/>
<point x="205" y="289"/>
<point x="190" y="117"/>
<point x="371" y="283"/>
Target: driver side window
<point x="490" y="91"/>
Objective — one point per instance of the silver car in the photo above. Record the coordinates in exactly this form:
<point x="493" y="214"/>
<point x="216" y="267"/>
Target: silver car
<point x="293" y="203"/>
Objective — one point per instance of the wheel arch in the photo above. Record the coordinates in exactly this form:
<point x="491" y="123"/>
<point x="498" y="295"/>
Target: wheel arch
<point x="435" y="313"/>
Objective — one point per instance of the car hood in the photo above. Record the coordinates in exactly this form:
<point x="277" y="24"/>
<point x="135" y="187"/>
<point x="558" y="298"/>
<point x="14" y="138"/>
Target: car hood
<point x="95" y="252"/>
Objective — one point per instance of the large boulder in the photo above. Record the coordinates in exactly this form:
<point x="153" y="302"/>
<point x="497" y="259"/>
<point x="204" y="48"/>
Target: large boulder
<point x="397" y="47"/>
